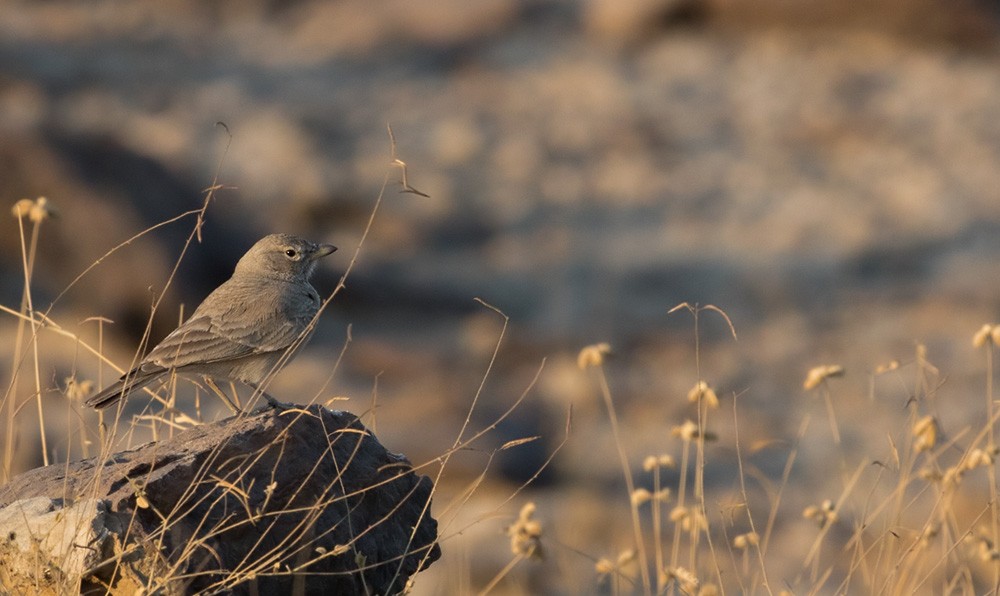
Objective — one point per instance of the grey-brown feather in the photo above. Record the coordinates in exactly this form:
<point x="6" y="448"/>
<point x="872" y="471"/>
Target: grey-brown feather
<point x="243" y="328"/>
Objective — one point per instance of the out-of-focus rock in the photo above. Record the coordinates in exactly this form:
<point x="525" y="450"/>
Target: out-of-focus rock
<point x="963" y="23"/>
<point x="254" y="504"/>
<point x="630" y="21"/>
<point x="352" y="26"/>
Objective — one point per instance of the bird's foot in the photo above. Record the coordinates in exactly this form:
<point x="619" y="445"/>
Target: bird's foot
<point x="272" y="403"/>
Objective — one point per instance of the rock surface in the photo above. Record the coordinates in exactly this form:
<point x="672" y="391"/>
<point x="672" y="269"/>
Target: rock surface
<point x="264" y="503"/>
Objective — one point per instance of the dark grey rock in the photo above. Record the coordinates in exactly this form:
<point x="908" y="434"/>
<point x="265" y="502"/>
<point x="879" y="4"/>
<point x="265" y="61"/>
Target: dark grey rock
<point x="268" y="503"/>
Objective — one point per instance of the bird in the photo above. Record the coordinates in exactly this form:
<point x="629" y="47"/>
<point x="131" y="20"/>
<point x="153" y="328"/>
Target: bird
<point x="243" y="328"/>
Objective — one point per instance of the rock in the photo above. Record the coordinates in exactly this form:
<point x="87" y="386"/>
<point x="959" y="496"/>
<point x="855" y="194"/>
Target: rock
<point x="628" y="22"/>
<point x="305" y="499"/>
<point x="40" y="536"/>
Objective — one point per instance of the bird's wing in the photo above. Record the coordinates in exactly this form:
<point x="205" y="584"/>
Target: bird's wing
<point x="235" y="321"/>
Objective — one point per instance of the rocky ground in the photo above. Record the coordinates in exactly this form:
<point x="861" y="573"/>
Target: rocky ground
<point x="827" y="176"/>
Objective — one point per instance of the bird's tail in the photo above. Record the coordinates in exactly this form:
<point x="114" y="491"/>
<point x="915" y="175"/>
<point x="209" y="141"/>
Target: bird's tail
<point x="114" y="392"/>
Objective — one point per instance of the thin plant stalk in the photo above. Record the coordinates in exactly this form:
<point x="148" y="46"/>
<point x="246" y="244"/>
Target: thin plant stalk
<point x="27" y="307"/>
<point x="658" y="528"/>
<point x="992" y="471"/>
<point x="602" y="380"/>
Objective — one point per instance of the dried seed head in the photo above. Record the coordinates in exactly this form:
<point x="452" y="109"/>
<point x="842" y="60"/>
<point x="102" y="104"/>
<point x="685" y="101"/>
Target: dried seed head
<point x="686" y="579"/>
<point x="953" y="476"/>
<point x="702" y="390"/>
<point x="743" y="541"/>
<point x="986" y="334"/>
<point x="687" y="431"/>
<point x="625" y="557"/>
<point x="593" y="355"/>
<point x="526" y="534"/>
<point x="688" y="519"/>
<point x="818" y="374"/>
<point x="41" y="210"/>
<point x="931" y="475"/>
<point x="695" y="521"/>
<point x="624" y="564"/>
<point x="22" y="208"/>
<point x="925" y="433"/>
<point x="527" y="511"/>
<point x="604" y="566"/>
<point x="986" y="551"/>
<point x="641" y="496"/>
<point x="979" y="458"/>
<point x="884" y="368"/>
<point x="657" y="461"/>
<point x="77" y="390"/>
<point x="824" y="514"/>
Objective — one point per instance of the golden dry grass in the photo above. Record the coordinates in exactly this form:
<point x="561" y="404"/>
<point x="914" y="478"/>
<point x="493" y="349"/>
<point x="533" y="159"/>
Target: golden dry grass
<point x="919" y="516"/>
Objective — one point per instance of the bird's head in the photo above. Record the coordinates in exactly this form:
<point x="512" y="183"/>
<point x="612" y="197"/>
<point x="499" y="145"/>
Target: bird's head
<point x="283" y="256"/>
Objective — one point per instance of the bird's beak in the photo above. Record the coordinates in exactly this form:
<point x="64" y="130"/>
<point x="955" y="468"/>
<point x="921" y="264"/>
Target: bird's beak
<point x="322" y="250"/>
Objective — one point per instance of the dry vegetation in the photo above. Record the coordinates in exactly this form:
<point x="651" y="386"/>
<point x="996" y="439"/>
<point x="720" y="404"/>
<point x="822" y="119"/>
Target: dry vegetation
<point x="919" y="516"/>
<point x="164" y="417"/>
<point x="826" y="175"/>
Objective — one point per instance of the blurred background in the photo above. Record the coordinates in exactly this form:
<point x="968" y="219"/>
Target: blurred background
<point x="826" y="172"/>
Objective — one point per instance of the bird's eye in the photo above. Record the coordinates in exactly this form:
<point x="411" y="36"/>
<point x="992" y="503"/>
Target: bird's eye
<point x="290" y="253"/>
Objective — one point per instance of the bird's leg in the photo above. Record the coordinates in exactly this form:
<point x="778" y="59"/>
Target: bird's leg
<point x="235" y="394"/>
<point x="225" y="398"/>
<point x="271" y="402"/>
